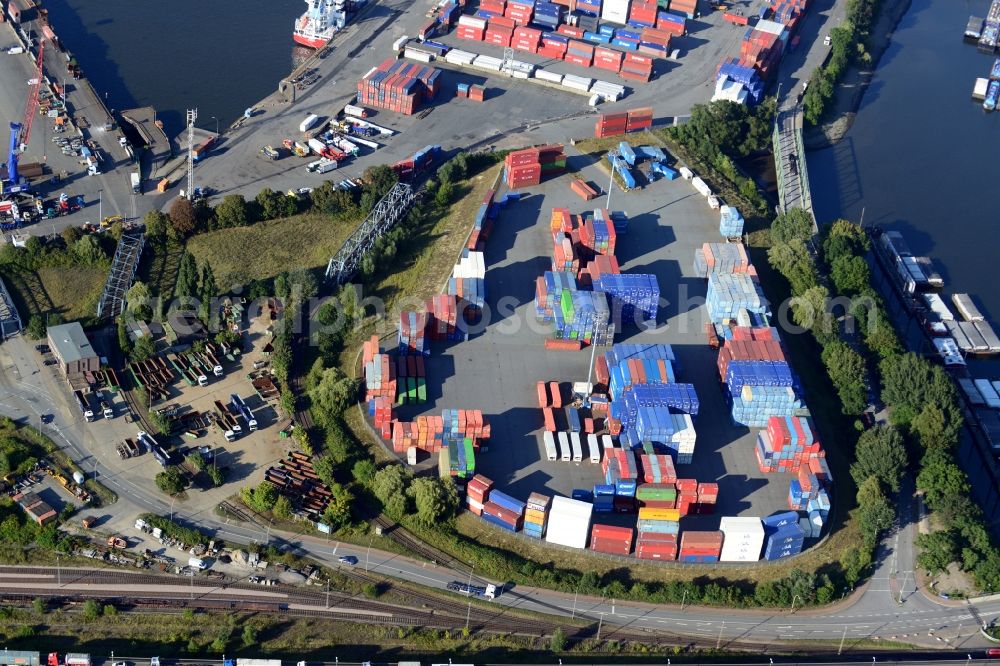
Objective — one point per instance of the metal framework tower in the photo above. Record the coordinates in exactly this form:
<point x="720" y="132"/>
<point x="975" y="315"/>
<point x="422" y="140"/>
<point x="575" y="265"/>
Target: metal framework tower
<point x="192" y="115"/>
<point x="507" y="66"/>
<point x="384" y="216"/>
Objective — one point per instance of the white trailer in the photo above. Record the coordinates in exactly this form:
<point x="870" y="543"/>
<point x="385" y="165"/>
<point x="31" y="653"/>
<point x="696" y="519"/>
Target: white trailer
<point x="594" y="448"/>
<point x="308" y="123"/>
<point x="549" y="440"/>
<point x="577" y="445"/>
<point x="565" y="454"/>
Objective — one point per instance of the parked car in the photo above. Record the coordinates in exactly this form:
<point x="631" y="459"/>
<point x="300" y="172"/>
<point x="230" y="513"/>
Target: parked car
<point x="348" y="559"/>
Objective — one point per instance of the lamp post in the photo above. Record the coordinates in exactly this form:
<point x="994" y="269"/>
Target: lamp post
<point x="216" y="125"/>
<point x="100" y="206"/>
<point x="792" y="609"/>
<point x="611" y="182"/>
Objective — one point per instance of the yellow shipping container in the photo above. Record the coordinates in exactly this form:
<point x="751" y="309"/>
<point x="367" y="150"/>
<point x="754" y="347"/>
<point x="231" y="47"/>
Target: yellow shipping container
<point x="534" y="516"/>
<point x="649" y="513"/>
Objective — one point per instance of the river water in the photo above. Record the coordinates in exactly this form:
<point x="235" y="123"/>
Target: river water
<point x="921" y="157"/>
<point x="219" y="56"/>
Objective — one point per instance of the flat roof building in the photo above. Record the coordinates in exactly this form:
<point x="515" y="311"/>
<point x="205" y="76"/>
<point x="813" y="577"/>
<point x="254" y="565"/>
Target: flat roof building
<point x="73" y="350"/>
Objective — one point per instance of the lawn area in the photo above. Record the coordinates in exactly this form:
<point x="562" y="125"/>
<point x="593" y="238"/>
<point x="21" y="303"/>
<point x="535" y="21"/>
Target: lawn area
<point x="266" y="249"/>
<point x="71" y="292"/>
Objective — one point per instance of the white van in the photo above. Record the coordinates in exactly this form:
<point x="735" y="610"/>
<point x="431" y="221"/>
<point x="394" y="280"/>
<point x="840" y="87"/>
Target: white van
<point x="197" y="563"/>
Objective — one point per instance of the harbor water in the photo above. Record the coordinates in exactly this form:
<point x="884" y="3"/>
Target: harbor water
<point x="218" y="56"/>
<point x="921" y="157"/>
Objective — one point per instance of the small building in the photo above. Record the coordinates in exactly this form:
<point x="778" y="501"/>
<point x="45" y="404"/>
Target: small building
<point x="19" y="658"/>
<point x="183" y="328"/>
<point x="37" y="508"/>
<point x="73" y="350"/>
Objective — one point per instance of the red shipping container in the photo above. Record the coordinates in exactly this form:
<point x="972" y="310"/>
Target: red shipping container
<point x="548" y="416"/>
<point x="543" y="395"/>
<point x="502" y="22"/>
<point x="556" y="394"/>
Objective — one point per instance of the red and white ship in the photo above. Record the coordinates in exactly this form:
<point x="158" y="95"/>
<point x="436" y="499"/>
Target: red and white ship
<point x="317" y="26"/>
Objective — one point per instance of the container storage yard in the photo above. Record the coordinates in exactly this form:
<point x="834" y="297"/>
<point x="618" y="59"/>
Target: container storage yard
<point x="671" y="443"/>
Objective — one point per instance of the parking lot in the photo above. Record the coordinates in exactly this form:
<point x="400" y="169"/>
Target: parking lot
<point x="497" y="370"/>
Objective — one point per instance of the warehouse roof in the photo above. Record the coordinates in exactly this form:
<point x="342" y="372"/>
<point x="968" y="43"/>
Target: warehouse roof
<point x="71" y="342"/>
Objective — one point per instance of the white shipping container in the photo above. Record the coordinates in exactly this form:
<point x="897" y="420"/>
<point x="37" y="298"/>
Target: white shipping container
<point x="569" y="522"/>
<point x="938" y="307"/>
<point x="545" y="75"/>
<point x="307" y="124"/>
<point x="771" y="27"/>
<point x="478" y="506"/>
<point x="520" y="75"/>
<point x="472" y="21"/>
<point x="577" y="446"/>
<point x="565" y="454"/>
<point x="594" y="448"/>
<point x="458" y="57"/>
<point x="549" y="440"/>
<point x="419" y="56"/>
<point x="701" y="186"/>
<point x="743" y="539"/>
<point x="411" y="455"/>
<point x="401" y="42"/>
<point x="582" y="87"/>
<point x="686" y="173"/>
<point x="607" y="442"/>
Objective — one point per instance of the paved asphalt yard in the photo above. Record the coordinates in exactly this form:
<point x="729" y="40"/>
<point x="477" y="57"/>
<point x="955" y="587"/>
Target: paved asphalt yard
<point x="496" y="370"/>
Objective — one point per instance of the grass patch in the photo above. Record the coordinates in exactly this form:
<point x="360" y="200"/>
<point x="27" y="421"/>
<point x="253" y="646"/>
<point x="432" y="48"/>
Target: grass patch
<point x="72" y="292"/>
<point x="265" y="249"/>
<point x="159" y="267"/>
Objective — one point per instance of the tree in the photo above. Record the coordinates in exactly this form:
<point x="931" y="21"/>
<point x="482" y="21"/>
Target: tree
<point x="139" y="300"/>
<point x="71" y="235"/>
<point x="182" y="217"/>
<point x="932" y="428"/>
<point x="262" y="498"/>
<point x="854" y="562"/>
<point x="794" y="224"/>
<point x="558" y="640"/>
<point x="444" y="194"/>
<point x="171" y="481"/>
<point x="937" y="551"/>
<point x="249" y="635"/>
<point x="88" y="251"/>
<point x="143" y="348"/>
<point x="110" y="610"/>
<point x="792" y="260"/>
<point x="187" y="277"/>
<point x="910" y="383"/>
<point x="325" y="467"/>
<point x="282" y="508"/>
<point x="272" y="204"/>
<point x="338" y="511"/>
<point x="435" y="499"/>
<point x="880" y="453"/>
<point x="207" y="291"/>
<point x="232" y="212"/>
<point x="39" y="605"/>
<point x="850" y="274"/>
<point x="156" y="225"/>
<point x="363" y="472"/>
<point x="940" y="477"/>
<point x="389" y="485"/>
<point x="844" y="238"/>
<point x="379" y="180"/>
<point x="875" y="513"/>
<point x="329" y="199"/>
<point x="847" y="371"/>
<point x="36" y="328"/>
<point x="91" y="611"/>
<point x="334" y="393"/>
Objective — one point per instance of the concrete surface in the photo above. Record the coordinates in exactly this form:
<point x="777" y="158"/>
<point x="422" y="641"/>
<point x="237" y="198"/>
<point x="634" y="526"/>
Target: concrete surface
<point x="496" y="371"/>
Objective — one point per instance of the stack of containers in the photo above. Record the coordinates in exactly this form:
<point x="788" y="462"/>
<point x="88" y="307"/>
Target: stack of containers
<point x="754" y="405"/>
<point x="380" y="378"/>
<point x="471" y="292"/>
<point x="657" y="495"/>
<point x="587" y="8"/>
<point x="611" y="124"/>
<point x="761" y="50"/>
<point x="610" y="539"/>
<point x="803" y="489"/>
<point x="499" y="31"/>
<point x="411" y="380"/>
<point x="380" y="411"/>
<point x="750" y="344"/>
<point x="639" y="119"/>
<point x="672" y="23"/>
<point x="564" y="256"/>
<point x="579" y="53"/>
<point x="597" y="233"/>
<point x="442" y="324"/>
<point x="526" y="167"/>
<point x="681" y="397"/>
<point x="758" y="373"/>
<point x="687" y="495"/>
<point x="819" y="509"/>
<point x="520" y="11"/>
<point x="417" y="162"/>
<point x="604" y="498"/>
<point x="637" y="68"/>
<point x="787" y="445"/>
<point x="743" y="539"/>
<point x="730" y="222"/>
<point x="721" y="258"/>
<point x="656" y="538"/>
<point x="620" y="470"/>
<point x="549" y="290"/>
<point x="503" y="511"/>
<point x="411" y="336"/>
<point x="553" y="46"/>
<point x="492" y="8"/>
<point x="626" y="39"/>
<point x="728" y="293"/>
<point x="783" y="535"/>
<point x="607" y="58"/>
<point x="655" y="43"/>
<point x="569" y="522"/>
<point x="615" y="11"/>
<point x="397" y="85"/>
<point x="708" y="495"/>
<point x="483" y="224"/>
<point x="477" y="493"/>
<point x="697" y="546"/>
<point x="536" y="515"/>
<point x="688" y="8"/>
<point x="600" y="265"/>
<point x="658" y="469"/>
<point x="748" y="77"/>
<point x="465" y="423"/>
<point x="581" y="315"/>
<point x="634" y="296"/>
<point x="526" y="39"/>
<point x="639" y="370"/>
<point x="471" y="27"/>
<point x="548" y="15"/>
<point x="457" y="459"/>
<point x="642" y="13"/>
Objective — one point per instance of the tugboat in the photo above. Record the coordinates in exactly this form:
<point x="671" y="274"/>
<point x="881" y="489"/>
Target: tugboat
<point x="318" y="24"/>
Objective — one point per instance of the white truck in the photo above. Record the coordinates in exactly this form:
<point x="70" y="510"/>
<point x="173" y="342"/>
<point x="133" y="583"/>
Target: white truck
<point x="136" y="182"/>
<point x="308" y="123"/>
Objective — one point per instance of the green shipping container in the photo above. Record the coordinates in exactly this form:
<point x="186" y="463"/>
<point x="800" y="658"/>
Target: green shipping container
<point x="444" y="465"/>
<point x="566" y="302"/>
<point x="421" y="390"/>
<point x="470" y="457"/>
<point x="411" y="389"/>
<point x="656" y="494"/>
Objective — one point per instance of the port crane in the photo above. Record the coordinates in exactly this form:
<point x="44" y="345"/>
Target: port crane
<point x="20" y="133"/>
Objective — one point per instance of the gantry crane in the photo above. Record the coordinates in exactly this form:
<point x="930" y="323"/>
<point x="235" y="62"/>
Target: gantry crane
<point x="20" y="133"/>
